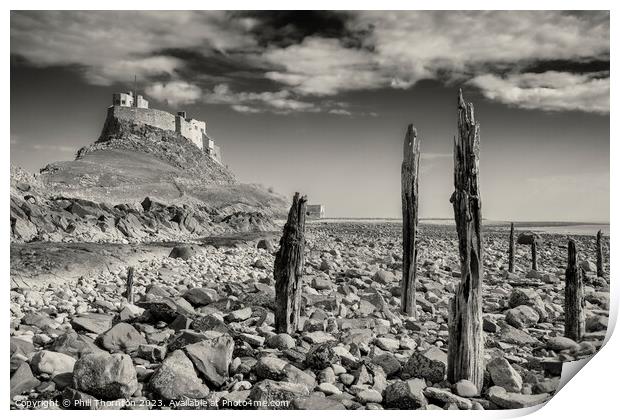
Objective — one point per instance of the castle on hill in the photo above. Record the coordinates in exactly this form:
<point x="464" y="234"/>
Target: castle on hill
<point x="130" y="106"/>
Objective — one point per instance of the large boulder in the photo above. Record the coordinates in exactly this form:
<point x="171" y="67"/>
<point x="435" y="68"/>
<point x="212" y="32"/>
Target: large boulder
<point x="431" y="364"/>
<point x="176" y="379"/>
<point x="388" y="362"/>
<point x="280" y="370"/>
<point x="184" y="252"/>
<point x="94" y="323"/>
<point x="75" y="345"/>
<point x="512" y="400"/>
<point x="448" y="398"/>
<point x="22" y="380"/>
<point x="266" y="244"/>
<point x="321" y="356"/>
<point x="121" y="337"/>
<point x="167" y="309"/>
<point x="52" y="363"/>
<point x="212" y="358"/>
<point x="105" y="376"/>
<point x="528" y="238"/>
<point x="512" y="335"/>
<point x="406" y="395"/>
<point x="522" y="316"/>
<point x="281" y="341"/>
<point x="504" y="375"/>
<point x="529" y="298"/>
<point x="201" y="296"/>
<point x="384" y="277"/>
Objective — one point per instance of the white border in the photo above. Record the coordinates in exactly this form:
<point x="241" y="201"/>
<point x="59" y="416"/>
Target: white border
<point x="592" y="394"/>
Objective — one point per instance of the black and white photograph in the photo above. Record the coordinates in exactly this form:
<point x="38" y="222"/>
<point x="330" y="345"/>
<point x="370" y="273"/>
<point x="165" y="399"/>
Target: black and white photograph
<point x="306" y="209"/>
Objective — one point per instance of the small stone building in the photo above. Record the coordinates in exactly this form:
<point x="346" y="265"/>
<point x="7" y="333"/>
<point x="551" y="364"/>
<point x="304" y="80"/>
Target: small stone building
<point x="127" y="99"/>
<point x="315" y="211"/>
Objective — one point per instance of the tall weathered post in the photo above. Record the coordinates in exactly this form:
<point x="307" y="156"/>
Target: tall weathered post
<point x="465" y="346"/>
<point x="409" y="193"/>
<point x="288" y="268"/>
<point x="511" y="249"/>
<point x="600" y="272"/>
<point x="574" y="316"/>
<point x="129" y="289"/>
<point x="534" y="256"/>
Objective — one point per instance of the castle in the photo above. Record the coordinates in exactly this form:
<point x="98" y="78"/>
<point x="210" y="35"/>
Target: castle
<point x="130" y="106"/>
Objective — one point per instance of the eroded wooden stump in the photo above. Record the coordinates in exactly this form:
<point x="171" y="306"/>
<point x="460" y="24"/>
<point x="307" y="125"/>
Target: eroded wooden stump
<point x="129" y="288"/>
<point x="288" y="268"/>
<point x="409" y="193"/>
<point x="465" y="346"/>
<point x="600" y="263"/>
<point x="574" y="315"/>
<point x="511" y="249"/>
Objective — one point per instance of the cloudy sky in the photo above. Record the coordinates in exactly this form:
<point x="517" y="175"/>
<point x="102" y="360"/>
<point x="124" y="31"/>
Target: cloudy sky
<point x="319" y="102"/>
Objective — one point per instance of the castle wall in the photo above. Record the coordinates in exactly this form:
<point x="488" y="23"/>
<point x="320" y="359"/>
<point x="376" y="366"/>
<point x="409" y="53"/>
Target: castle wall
<point x="193" y="129"/>
<point x="153" y="117"/>
<point x="188" y="130"/>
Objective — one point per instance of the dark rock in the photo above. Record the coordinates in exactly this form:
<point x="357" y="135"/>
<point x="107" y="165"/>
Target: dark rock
<point x="265" y="244"/>
<point x="528" y="238"/>
<point x="121" y="337"/>
<point x="431" y="364"/>
<point x="390" y="364"/>
<point x="322" y="356"/>
<point x="406" y="395"/>
<point x="200" y="296"/>
<point x="184" y="252"/>
<point x="281" y="341"/>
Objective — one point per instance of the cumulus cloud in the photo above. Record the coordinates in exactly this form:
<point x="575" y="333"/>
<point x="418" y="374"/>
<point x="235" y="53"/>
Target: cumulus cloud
<point x="416" y="45"/>
<point x="340" y="111"/>
<point x="322" y="66"/>
<point x="381" y="49"/>
<point x="112" y="46"/>
<point x="550" y="91"/>
<point x="401" y="48"/>
<point x="251" y="102"/>
<point x="244" y="109"/>
<point x="175" y="93"/>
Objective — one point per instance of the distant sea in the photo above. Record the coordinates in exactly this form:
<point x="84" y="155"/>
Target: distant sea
<point x="556" y="228"/>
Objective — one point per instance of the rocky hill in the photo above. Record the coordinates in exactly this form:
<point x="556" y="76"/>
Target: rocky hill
<point x="136" y="183"/>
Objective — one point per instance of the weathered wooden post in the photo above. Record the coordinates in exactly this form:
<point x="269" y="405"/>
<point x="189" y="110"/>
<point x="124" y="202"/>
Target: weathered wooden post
<point x="129" y="289"/>
<point x="409" y="192"/>
<point x="600" y="272"/>
<point x="534" y="257"/>
<point x="465" y="346"/>
<point x="288" y="268"/>
<point x="511" y="249"/>
<point x="574" y="316"/>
